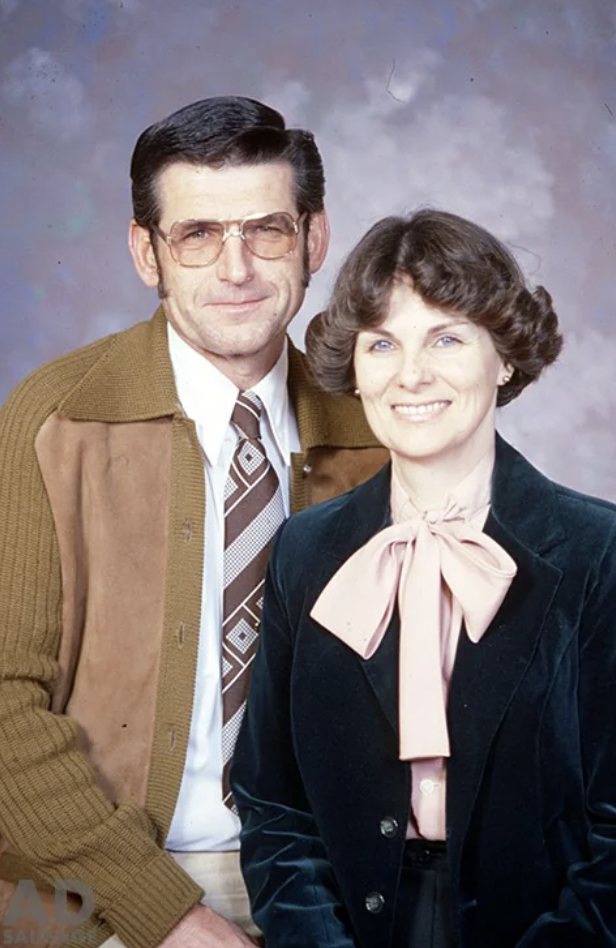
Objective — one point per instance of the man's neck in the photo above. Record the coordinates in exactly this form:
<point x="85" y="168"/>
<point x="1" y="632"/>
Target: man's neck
<point x="245" y="371"/>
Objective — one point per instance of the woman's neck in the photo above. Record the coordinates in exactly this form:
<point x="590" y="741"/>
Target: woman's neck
<point x="427" y="483"/>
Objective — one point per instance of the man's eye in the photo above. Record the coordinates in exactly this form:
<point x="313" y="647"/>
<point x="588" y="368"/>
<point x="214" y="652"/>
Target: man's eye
<point x="266" y="228"/>
<point x="198" y="234"/>
<point x="271" y="225"/>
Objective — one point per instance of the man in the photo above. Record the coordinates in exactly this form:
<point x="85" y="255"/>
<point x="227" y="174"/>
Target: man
<point x="141" y="480"/>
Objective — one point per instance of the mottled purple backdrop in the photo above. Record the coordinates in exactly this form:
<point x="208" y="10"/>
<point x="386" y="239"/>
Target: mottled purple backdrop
<point x="502" y="110"/>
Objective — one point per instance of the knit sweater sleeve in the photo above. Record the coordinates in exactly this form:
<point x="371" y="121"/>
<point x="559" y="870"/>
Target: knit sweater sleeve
<point x="51" y="810"/>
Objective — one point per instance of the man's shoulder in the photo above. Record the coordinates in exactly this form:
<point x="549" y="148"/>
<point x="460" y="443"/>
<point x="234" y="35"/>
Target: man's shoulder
<point x="41" y="394"/>
<point x="43" y="389"/>
<point x="360" y="510"/>
<point x="122" y="376"/>
<point x="323" y="419"/>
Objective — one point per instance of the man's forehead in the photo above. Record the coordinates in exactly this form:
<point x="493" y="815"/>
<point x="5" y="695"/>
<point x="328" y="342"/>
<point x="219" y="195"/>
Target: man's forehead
<point x="186" y="190"/>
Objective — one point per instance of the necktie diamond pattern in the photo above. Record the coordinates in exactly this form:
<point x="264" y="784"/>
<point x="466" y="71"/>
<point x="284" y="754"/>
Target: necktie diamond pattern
<point x="253" y="512"/>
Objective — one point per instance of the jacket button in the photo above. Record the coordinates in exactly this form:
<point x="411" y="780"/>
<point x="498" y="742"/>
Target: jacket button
<point x="307" y="469"/>
<point x="375" y="903"/>
<point x="389" y="827"/>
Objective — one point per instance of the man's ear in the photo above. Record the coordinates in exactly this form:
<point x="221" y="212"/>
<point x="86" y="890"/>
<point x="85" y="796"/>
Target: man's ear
<point x="142" y="252"/>
<point x="318" y="240"/>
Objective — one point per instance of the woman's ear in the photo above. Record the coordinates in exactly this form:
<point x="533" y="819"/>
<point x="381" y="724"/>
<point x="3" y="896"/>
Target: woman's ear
<point x="506" y="374"/>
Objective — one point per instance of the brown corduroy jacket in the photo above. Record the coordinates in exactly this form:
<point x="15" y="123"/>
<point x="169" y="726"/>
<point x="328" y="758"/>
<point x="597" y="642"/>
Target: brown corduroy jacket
<point x="102" y="506"/>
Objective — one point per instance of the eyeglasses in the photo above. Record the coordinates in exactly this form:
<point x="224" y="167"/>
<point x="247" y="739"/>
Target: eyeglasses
<point x="197" y="243"/>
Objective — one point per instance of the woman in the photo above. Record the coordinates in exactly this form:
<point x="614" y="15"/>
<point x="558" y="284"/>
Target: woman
<point x="427" y="757"/>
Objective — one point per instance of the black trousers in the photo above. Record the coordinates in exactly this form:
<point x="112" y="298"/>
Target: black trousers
<point x="424" y="912"/>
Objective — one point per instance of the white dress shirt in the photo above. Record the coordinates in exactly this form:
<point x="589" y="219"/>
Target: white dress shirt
<point x="201" y="821"/>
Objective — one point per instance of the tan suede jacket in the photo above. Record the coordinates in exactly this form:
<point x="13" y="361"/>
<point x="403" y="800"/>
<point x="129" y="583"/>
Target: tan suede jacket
<point x="102" y="505"/>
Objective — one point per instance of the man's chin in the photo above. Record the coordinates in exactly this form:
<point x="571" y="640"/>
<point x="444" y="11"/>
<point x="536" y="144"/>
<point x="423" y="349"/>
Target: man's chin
<point x="244" y="347"/>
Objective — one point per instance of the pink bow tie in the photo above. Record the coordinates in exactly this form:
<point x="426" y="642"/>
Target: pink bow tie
<point x="413" y="561"/>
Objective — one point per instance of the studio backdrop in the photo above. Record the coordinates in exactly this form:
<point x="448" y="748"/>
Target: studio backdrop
<point x="501" y="110"/>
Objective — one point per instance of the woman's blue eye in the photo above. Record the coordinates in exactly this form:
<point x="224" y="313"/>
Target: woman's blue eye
<point x="447" y="341"/>
<point x="381" y="345"/>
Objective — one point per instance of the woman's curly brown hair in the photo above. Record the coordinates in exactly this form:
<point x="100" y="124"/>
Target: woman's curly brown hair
<point x="454" y="265"/>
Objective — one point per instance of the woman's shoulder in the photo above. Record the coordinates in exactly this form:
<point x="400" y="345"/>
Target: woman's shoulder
<point x="588" y="520"/>
<point x="535" y="504"/>
<point x="577" y="503"/>
<point x="584" y="527"/>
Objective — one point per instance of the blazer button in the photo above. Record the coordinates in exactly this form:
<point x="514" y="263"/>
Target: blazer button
<point x="375" y="903"/>
<point x="389" y="827"/>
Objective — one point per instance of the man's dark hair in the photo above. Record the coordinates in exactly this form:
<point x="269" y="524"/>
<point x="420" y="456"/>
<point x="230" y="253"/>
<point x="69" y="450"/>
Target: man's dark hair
<point x="453" y="265"/>
<point x="220" y="132"/>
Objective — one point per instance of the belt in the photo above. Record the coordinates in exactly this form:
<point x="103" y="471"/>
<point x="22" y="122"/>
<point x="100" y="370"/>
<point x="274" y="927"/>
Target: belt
<point x="425" y="854"/>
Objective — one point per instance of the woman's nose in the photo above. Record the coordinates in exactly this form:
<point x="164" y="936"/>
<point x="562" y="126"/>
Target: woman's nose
<point x="414" y="368"/>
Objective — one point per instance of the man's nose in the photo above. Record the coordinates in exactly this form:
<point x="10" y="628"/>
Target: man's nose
<point x="235" y="263"/>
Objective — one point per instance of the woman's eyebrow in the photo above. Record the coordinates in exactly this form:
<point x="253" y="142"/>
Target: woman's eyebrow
<point x="377" y="331"/>
<point x="443" y="327"/>
<point x="432" y="331"/>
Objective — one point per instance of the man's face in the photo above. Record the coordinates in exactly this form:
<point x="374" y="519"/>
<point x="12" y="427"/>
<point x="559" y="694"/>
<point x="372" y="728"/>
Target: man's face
<point x="234" y="311"/>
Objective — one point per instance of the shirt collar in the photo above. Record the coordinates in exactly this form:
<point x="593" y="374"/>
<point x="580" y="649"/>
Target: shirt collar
<point x="200" y="385"/>
<point x="274" y="393"/>
<point x="471" y="495"/>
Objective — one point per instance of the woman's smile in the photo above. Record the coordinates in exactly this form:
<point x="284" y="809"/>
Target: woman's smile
<point x="426" y="411"/>
<point x="428" y="380"/>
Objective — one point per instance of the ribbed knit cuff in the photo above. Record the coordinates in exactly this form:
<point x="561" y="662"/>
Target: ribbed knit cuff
<point x="160" y="897"/>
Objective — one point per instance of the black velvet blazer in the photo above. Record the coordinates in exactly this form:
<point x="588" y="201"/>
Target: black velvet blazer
<point x="531" y="802"/>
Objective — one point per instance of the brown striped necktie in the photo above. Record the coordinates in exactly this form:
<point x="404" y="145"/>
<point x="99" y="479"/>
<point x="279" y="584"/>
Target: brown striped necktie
<point x="254" y="510"/>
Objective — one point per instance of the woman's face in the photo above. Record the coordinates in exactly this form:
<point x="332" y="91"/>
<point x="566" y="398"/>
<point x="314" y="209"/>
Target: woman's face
<point x="428" y="381"/>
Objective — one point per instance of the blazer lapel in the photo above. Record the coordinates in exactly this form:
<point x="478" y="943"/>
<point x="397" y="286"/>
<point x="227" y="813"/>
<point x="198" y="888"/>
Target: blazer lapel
<point x="382" y="672"/>
<point x="487" y="675"/>
<point x="365" y="513"/>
